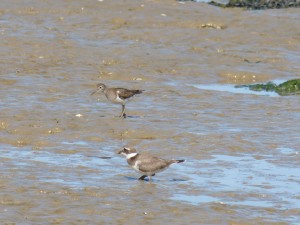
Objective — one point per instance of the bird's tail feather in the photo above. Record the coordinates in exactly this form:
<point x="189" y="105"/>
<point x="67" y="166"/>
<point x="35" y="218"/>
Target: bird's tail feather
<point x="138" y="91"/>
<point x="178" y="160"/>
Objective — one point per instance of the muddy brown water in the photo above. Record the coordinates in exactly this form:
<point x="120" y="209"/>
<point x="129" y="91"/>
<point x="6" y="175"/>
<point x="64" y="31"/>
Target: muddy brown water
<point x="242" y="149"/>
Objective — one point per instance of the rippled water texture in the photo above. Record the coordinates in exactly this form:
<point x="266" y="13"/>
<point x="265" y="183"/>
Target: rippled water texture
<point x="58" y="143"/>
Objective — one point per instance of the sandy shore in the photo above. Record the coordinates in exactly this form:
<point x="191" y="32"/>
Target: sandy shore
<point x="241" y="150"/>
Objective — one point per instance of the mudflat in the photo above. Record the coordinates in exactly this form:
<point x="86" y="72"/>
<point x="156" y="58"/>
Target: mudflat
<point x="58" y="144"/>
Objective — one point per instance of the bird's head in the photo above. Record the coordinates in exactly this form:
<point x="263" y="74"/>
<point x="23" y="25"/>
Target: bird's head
<point x="126" y="151"/>
<point x="100" y="88"/>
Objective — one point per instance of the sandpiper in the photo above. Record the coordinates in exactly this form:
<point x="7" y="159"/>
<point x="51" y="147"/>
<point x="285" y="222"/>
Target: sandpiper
<point x="117" y="95"/>
<point x="146" y="164"/>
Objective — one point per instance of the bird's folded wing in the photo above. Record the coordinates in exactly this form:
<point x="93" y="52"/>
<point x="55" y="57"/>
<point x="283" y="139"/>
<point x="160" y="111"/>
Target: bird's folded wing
<point x="125" y="93"/>
<point x="152" y="164"/>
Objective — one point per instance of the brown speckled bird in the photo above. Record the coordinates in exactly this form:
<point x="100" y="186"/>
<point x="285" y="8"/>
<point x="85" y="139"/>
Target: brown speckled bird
<point x="117" y="95"/>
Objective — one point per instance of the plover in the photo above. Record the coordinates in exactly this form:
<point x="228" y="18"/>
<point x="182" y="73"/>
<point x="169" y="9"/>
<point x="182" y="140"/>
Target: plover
<point x="117" y="95"/>
<point x="146" y="164"/>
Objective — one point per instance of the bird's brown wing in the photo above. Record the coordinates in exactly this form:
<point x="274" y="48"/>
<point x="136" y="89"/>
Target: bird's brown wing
<point x="152" y="164"/>
<point x="125" y="93"/>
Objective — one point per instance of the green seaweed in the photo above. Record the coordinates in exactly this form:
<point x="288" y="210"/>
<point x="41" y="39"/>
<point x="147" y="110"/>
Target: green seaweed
<point x="290" y="87"/>
<point x="258" y="4"/>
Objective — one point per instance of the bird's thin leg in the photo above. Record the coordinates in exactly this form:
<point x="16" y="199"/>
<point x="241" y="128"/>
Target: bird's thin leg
<point x="152" y="175"/>
<point x="142" y="177"/>
<point x="123" y="111"/>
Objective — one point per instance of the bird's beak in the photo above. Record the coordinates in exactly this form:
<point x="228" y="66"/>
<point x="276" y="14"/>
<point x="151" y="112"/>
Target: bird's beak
<point x="94" y="92"/>
<point x="120" y="151"/>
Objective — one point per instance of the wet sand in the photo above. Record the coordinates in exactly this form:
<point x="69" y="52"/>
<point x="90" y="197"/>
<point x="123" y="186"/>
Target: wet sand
<point x="58" y="143"/>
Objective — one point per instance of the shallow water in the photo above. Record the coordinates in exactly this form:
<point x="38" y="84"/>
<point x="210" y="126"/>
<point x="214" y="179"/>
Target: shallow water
<point x="231" y="88"/>
<point x="58" y="144"/>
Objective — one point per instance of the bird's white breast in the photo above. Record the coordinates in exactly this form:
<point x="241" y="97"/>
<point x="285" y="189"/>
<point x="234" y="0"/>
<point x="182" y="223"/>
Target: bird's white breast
<point x="118" y="99"/>
<point x="136" y="165"/>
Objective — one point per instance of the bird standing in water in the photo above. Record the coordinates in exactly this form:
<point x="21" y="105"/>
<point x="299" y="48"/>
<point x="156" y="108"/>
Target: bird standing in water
<point x="145" y="163"/>
<point x="117" y="95"/>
